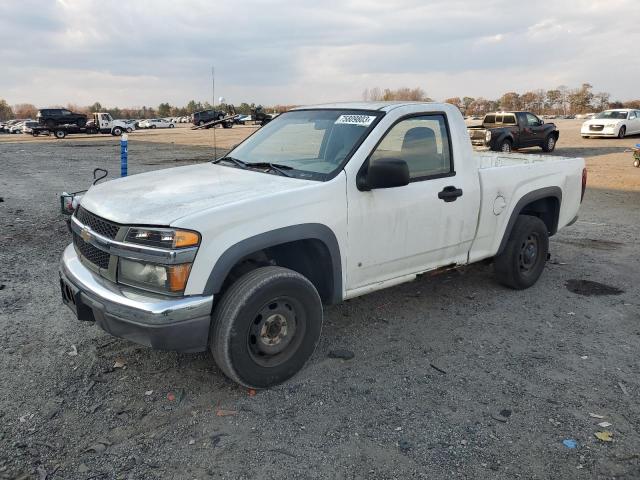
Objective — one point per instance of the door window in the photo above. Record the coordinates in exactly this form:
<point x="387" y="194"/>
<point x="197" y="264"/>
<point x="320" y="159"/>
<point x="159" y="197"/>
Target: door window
<point x="422" y="142"/>
<point x="532" y="120"/>
<point x="65" y="112"/>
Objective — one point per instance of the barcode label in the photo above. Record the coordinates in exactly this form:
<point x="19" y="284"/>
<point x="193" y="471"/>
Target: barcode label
<point x="362" y="120"/>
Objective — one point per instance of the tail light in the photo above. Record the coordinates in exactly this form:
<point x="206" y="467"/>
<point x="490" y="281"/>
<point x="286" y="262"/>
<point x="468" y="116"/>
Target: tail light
<point x="584" y="183"/>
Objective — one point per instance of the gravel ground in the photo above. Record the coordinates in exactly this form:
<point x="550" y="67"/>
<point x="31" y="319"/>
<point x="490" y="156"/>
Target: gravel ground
<point x="453" y="376"/>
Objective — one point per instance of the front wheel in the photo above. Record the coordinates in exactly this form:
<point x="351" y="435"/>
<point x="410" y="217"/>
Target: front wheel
<point x="152" y="126"/>
<point x="171" y="125"/>
<point x="636" y="163"/>
<point x="60" y="134"/>
<point x="266" y="327"/>
<point x="622" y="132"/>
<point x="117" y="131"/>
<point x="523" y="259"/>
<point x="129" y="129"/>
<point x="549" y="144"/>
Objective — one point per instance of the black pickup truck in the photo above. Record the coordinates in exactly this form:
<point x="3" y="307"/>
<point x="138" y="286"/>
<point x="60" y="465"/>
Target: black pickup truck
<point x="507" y="131"/>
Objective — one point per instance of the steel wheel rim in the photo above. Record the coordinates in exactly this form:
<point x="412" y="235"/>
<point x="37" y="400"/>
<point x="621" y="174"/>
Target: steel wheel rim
<point x="529" y="253"/>
<point x="276" y="331"/>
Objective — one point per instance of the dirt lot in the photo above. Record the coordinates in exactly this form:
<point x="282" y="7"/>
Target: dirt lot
<point x="453" y="376"/>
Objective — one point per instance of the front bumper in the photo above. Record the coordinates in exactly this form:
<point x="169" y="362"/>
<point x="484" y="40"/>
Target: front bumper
<point x="165" y="323"/>
<point x="605" y="132"/>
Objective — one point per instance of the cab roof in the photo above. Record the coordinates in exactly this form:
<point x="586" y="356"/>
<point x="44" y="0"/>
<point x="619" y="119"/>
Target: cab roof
<point x="383" y="106"/>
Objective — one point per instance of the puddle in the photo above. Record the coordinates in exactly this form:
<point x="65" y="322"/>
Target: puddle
<point x="590" y="289"/>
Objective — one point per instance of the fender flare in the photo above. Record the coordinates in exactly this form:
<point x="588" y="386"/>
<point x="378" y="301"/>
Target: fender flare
<point x="499" y="138"/>
<point x="547" y="192"/>
<point x="305" y="231"/>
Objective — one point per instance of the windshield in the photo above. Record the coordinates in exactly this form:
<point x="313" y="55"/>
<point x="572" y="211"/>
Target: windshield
<point x="311" y="144"/>
<point x="612" y="114"/>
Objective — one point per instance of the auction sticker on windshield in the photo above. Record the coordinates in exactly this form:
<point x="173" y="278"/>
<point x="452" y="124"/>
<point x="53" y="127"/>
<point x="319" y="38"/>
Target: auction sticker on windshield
<point x="362" y="120"/>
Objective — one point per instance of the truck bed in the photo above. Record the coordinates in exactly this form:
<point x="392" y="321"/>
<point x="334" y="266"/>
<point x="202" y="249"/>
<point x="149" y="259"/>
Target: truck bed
<point x="506" y="178"/>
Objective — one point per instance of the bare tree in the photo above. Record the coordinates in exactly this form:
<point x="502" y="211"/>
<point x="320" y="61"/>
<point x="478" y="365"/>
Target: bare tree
<point x="6" y="113"/>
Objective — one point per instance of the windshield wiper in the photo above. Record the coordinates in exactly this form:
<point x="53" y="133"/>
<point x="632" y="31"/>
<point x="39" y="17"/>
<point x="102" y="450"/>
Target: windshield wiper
<point x="235" y="161"/>
<point x="276" y="167"/>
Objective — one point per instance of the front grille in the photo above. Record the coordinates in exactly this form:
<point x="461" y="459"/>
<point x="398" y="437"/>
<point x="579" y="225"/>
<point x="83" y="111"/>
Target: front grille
<point x="91" y="253"/>
<point x="596" y="128"/>
<point x="99" y="225"/>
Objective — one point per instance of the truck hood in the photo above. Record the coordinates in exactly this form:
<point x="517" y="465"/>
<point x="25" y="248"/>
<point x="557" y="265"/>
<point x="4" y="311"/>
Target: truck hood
<point x="163" y="196"/>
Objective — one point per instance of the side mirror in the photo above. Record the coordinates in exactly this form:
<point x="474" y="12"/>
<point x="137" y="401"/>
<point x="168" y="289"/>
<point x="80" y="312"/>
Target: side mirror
<point x="384" y="173"/>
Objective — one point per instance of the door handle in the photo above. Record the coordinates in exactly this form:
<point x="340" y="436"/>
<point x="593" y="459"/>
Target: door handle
<point x="450" y="193"/>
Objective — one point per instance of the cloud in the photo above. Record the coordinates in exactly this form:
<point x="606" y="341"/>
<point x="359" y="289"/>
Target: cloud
<point x="146" y="52"/>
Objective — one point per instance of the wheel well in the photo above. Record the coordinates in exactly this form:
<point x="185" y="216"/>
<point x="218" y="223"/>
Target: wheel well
<point x="309" y="257"/>
<point x="546" y="209"/>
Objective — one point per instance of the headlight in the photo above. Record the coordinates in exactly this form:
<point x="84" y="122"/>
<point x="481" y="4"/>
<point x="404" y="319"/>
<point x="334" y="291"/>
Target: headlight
<point x="171" y="279"/>
<point x="487" y="136"/>
<point x="156" y="278"/>
<point x="163" y="237"/>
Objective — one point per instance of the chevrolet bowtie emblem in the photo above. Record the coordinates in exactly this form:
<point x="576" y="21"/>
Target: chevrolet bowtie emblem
<point x="85" y="234"/>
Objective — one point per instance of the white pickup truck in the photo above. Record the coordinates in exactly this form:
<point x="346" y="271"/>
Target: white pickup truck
<point x="322" y="204"/>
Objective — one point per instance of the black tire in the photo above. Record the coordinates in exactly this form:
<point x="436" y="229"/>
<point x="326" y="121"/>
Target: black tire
<point x="117" y="131"/>
<point x="60" y="134"/>
<point x="522" y="261"/>
<point x="129" y="129"/>
<point x="505" y="146"/>
<point x="81" y="122"/>
<point x="241" y="331"/>
<point x="585" y="136"/>
<point x="153" y="126"/>
<point x="636" y="163"/>
<point x="549" y="144"/>
<point x="622" y="132"/>
<point x="171" y="125"/>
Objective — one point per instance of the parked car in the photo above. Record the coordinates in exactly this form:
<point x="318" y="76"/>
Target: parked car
<point x="616" y="122"/>
<point x="507" y="131"/>
<point x="51" y="117"/>
<point x="239" y="255"/>
<point x="16" y="127"/>
<point x="10" y="123"/>
<point x="156" y="123"/>
<point x="27" y="126"/>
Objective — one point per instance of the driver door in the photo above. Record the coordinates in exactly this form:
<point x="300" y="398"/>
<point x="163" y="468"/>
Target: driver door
<point x="399" y="231"/>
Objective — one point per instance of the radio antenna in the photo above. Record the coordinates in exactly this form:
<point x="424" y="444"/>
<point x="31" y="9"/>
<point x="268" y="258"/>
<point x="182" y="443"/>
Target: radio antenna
<point x="213" y="106"/>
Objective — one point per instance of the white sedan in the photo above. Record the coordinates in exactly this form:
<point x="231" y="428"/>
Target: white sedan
<point x="617" y="122"/>
<point x="156" y="123"/>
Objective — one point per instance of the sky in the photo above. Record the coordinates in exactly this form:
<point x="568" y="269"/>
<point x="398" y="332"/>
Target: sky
<point x="142" y="52"/>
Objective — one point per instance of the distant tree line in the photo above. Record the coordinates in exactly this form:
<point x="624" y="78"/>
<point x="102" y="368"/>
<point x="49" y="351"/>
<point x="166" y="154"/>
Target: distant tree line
<point x="560" y="100"/>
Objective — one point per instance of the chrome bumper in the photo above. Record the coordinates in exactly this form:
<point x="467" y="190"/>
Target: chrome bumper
<point x="165" y="323"/>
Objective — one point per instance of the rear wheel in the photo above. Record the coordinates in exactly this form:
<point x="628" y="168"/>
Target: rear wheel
<point x="129" y="129"/>
<point x="622" y="132"/>
<point x="522" y="261"/>
<point x="636" y="163"/>
<point x="117" y="131"/>
<point x="266" y="327"/>
<point x="60" y="134"/>
<point x="153" y="126"/>
<point x="549" y="144"/>
<point x="171" y="125"/>
<point x="505" y="146"/>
